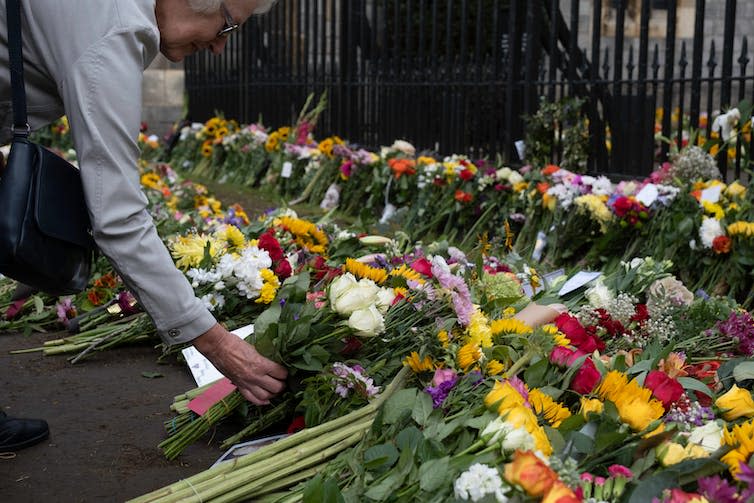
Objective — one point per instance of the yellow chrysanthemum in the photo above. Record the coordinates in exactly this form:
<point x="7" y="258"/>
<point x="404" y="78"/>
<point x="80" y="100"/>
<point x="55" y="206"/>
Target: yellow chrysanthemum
<point x="478" y="331"/>
<point x="425" y="160"/>
<point x="189" y="250"/>
<point x="635" y="404"/>
<point x="557" y="336"/>
<point x="713" y="209"/>
<point x="418" y="364"/>
<point x="510" y="326"/>
<point x="494" y="367"/>
<point x="597" y="210"/>
<point x="231" y="235"/>
<point x="741" y="228"/>
<point x="407" y="273"/>
<point x="735" y="190"/>
<point x="269" y="288"/>
<point x="549" y="409"/>
<point x="468" y="355"/>
<point x="741" y="439"/>
<point x="365" y="271"/>
<point x="520" y="186"/>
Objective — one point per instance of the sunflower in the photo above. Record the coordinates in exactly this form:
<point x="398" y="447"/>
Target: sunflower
<point x="494" y="367"/>
<point x="364" y="271"/>
<point x="510" y="326"/>
<point x="469" y="354"/>
<point x="407" y="273"/>
<point x="557" y="336"/>
<point x="207" y="148"/>
<point x="549" y="409"/>
<point x="418" y="364"/>
<point x="151" y="180"/>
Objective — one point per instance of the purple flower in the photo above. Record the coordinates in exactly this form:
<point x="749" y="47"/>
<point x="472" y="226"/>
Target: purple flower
<point x="460" y="294"/>
<point x="440" y="393"/>
<point x="127" y="303"/>
<point x="739" y="327"/>
<point x="65" y="310"/>
<point x="718" y="490"/>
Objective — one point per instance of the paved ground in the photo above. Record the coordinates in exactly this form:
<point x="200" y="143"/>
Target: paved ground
<point x="105" y="421"/>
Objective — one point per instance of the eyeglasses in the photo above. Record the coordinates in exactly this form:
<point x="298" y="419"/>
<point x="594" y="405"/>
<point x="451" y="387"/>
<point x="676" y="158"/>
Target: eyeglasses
<point x="230" y="24"/>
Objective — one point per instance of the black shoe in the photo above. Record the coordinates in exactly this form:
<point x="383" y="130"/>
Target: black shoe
<point x="17" y="434"/>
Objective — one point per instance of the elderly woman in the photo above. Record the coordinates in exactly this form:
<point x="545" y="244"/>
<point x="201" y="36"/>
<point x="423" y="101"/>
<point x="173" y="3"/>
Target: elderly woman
<point x="85" y="59"/>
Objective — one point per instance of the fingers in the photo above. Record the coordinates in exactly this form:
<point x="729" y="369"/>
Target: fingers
<point x="253" y="397"/>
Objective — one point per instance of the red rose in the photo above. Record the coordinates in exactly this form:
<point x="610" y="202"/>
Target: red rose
<point x="663" y="387"/>
<point x="296" y="425"/>
<point x="422" y="266"/>
<point x="466" y="174"/>
<point x="283" y="270"/>
<point x="577" y="334"/>
<point x="268" y="243"/>
<point x="622" y="206"/>
<point x="562" y="356"/>
<point x="586" y="378"/>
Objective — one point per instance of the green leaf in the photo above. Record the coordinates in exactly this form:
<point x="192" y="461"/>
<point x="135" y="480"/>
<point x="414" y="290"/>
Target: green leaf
<point x="582" y="443"/>
<point x="535" y="374"/>
<point x="380" y="457"/>
<point x="642" y="366"/>
<point x="398" y="404"/>
<point x="433" y="474"/>
<point x="652" y="487"/>
<point x="151" y="375"/>
<point x="422" y="409"/>
<point x="695" y="385"/>
<point x="743" y="371"/>
<point x="409" y="438"/>
<point x="39" y="305"/>
<point x="318" y="490"/>
<point x="385" y="488"/>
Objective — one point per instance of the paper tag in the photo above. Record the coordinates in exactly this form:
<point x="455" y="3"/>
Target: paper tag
<point x="648" y="194"/>
<point x="711" y="194"/>
<point x="211" y="396"/>
<point x="520" y="149"/>
<point x="539" y="246"/>
<point x="287" y="169"/>
<point x="578" y="280"/>
<point x="201" y="368"/>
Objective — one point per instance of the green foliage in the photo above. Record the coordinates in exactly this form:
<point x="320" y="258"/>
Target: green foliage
<point x="555" y="127"/>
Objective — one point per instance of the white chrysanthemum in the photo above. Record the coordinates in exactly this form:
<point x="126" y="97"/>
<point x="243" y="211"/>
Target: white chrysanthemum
<point x="602" y="186"/>
<point x="600" y="296"/>
<point x="709" y="230"/>
<point x="225" y="266"/>
<point x="565" y="194"/>
<point x="479" y="481"/>
<point x="213" y="301"/>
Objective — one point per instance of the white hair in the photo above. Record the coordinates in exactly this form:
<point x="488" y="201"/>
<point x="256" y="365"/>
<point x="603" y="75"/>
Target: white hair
<point x="214" y="5"/>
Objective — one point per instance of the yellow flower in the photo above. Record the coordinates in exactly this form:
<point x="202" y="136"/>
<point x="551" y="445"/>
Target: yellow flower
<point x="735" y="190"/>
<point x="635" y="404"/>
<point x="591" y="405"/>
<point x="307" y="235"/>
<point x="597" y="210"/>
<point x="741" y="228"/>
<point x="207" y="148"/>
<point x="425" y="160"/>
<point x="468" y="355"/>
<point x="326" y="146"/>
<point x="479" y="331"/>
<point x="714" y="209"/>
<point x="737" y="402"/>
<point x="510" y="326"/>
<point x="364" y="271"/>
<point x="557" y="336"/>
<point x="272" y="143"/>
<point x="189" y="250"/>
<point x="231" y="235"/>
<point x="443" y="337"/>
<point x="522" y="417"/>
<point x="671" y="454"/>
<point x="151" y="180"/>
<point x="494" y="368"/>
<point x="417" y="364"/>
<point x="549" y="409"/>
<point x="269" y="288"/>
<point x="520" y="186"/>
<point x="407" y="273"/>
<point x="505" y="395"/>
<point x="741" y="439"/>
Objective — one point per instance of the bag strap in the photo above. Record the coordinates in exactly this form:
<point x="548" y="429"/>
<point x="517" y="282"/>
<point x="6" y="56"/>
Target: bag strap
<point x="15" y="52"/>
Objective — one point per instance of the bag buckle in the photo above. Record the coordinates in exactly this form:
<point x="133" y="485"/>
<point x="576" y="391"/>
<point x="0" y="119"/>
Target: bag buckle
<point x="14" y="129"/>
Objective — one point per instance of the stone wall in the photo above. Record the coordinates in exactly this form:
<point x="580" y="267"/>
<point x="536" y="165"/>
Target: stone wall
<point x="162" y="95"/>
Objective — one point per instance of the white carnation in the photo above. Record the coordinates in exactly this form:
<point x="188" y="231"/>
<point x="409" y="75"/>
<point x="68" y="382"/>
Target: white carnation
<point x="709" y="230"/>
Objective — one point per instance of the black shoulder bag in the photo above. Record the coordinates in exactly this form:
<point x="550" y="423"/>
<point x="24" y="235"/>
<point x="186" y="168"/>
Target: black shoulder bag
<point x="45" y="236"/>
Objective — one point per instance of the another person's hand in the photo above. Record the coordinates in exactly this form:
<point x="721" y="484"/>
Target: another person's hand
<point x="257" y="378"/>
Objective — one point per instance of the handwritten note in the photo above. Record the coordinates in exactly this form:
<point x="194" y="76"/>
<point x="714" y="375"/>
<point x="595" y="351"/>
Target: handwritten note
<point x="201" y="368"/>
<point x="578" y="280"/>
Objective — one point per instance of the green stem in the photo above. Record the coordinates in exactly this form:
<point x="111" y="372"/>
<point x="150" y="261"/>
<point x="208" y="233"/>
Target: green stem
<point x="520" y="363"/>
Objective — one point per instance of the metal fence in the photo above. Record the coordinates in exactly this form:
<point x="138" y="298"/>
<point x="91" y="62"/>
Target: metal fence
<point x="458" y="76"/>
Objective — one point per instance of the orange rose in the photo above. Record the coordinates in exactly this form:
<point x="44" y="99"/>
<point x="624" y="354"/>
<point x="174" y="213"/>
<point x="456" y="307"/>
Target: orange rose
<point x="560" y="493"/>
<point x="721" y="245"/>
<point x="550" y="169"/>
<point x="402" y="167"/>
<point x="531" y="473"/>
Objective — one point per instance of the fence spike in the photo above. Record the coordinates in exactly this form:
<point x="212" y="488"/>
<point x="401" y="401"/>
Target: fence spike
<point x="656" y="62"/>
<point x="683" y="62"/>
<point x="743" y="60"/>
<point x="711" y="63"/>
<point x="630" y="65"/>
<point x="605" y="64"/>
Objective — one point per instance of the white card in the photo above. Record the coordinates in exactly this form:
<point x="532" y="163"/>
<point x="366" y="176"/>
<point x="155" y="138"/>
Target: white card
<point x="711" y="194"/>
<point x="287" y="169"/>
<point x="201" y="368"/>
<point x="578" y="280"/>
<point x="648" y="194"/>
<point x="520" y="149"/>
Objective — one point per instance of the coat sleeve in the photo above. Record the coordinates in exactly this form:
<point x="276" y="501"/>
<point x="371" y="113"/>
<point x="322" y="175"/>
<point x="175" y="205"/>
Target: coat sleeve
<point x="102" y="97"/>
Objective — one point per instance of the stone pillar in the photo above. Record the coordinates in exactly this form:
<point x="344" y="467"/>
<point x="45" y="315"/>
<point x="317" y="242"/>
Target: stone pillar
<point x="162" y="95"/>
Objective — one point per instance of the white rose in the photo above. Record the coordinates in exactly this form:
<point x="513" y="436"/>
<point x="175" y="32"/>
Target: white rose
<point x="385" y="298"/>
<point x="515" y="177"/>
<point x="340" y="285"/>
<point x="367" y="322"/>
<point x="405" y="147"/>
<point x="361" y="296"/>
<point x="709" y="436"/>
<point x="600" y="296"/>
<point x="519" y="439"/>
<point x="496" y="430"/>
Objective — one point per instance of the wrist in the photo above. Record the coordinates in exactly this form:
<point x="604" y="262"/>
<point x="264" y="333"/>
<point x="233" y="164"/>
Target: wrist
<point x="209" y="342"/>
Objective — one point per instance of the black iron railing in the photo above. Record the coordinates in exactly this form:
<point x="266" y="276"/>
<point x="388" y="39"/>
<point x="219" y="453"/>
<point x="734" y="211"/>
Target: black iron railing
<point x="457" y="76"/>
